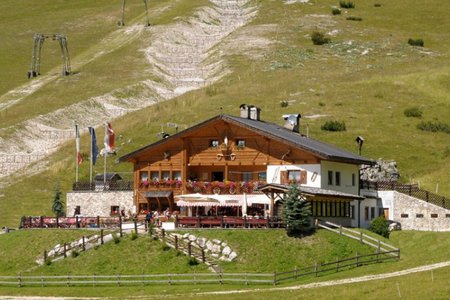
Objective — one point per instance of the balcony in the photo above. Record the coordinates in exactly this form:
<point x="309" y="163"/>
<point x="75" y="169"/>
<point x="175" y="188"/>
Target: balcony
<point x="223" y="187"/>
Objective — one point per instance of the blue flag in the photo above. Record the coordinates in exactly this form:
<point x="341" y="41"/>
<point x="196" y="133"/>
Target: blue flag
<point x="94" y="145"/>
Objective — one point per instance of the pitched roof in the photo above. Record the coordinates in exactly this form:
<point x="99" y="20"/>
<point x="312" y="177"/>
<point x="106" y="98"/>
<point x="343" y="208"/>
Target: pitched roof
<point x="275" y="132"/>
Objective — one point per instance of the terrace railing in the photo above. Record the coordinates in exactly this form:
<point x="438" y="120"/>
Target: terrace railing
<point x="27" y="222"/>
<point x="120" y="185"/>
<point x="412" y="190"/>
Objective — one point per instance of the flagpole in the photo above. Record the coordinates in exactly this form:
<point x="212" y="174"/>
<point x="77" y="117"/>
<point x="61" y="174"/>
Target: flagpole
<point x="90" y="164"/>
<point x="76" y="153"/>
<point x="105" y="153"/>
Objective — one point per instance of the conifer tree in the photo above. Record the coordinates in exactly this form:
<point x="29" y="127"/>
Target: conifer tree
<point x="58" y="204"/>
<point x="296" y="211"/>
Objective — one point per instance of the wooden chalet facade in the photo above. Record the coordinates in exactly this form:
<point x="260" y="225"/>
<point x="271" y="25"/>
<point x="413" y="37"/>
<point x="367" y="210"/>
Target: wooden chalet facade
<point x="231" y="155"/>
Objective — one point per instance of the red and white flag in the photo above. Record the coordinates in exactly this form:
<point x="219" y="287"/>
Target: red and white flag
<point x="77" y="142"/>
<point x="109" y="139"/>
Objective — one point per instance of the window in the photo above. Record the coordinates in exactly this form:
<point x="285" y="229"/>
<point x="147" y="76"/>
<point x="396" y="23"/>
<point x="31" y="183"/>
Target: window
<point x="352" y="212"/>
<point x="240" y="144"/>
<point x="298" y="176"/>
<point x="330" y="177"/>
<point x="114" y="210"/>
<point x="176" y="175"/>
<point x="404" y="216"/>
<point x="165" y="175"/>
<point x="247" y="176"/>
<point x="214" y="143"/>
<point x="262" y="176"/>
<point x="353" y="179"/>
<point x="447" y="215"/>
<point x="154" y="175"/>
<point x="372" y="213"/>
<point x="419" y="215"/>
<point x="330" y="209"/>
<point x="366" y="213"/>
<point x="338" y="178"/>
<point x="380" y="211"/>
<point x="77" y="210"/>
<point x="143" y="176"/>
<point x="434" y="216"/>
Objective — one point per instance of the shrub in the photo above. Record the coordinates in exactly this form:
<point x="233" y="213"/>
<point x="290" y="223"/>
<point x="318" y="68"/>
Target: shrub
<point x="48" y="262"/>
<point x="434" y="126"/>
<point x="116" y="239"/>
<point x="321" y="104"/>
<point x="192" y="261"/>
<point x="133" y="235"/>
<point x="318" y="38"/>
<point x="351" y="18"/>
<point x="416" y="42"/>
<point x="74" y="253"/>
<point x="346" y="4"/>
<point x="377" y="5"/>
<point x="284" y="103"/>
<point x="165" y="248"/>
<point x="414" y="112"/>
<point x="333" y="126"/>
<point x="380" y="226"/>
<point x="335" y="11"/>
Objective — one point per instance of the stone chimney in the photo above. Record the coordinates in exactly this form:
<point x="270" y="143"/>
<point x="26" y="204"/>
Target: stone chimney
<point x="292" y="122"/>
<point x="250" y="112"/>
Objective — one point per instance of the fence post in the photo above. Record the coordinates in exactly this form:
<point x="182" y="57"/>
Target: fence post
<point x="340" y="229"/>
<point x="101" y="237"/>
<point x="315" y="269"/>
<point x="176" y="221"/>
<point x="98" y="221"/>
<point x="220" y="278"/>
<point x="57" y="222"/>
<point x="203" y="255"/>
<point x="176" y="242"/>
<point x="84" y="243"/>
<point x="146" y="226"/>
<point x="274" y="278"/>
<point x="398" y="253"/>
<point x="135" y="225"/>
<point x="361" y="238"/>
<point x="41" y="223"/>
<point x="120" y="226"/>
<point x="168" y="275"/>
<point x="337" y="264"/>
<point x="189" y="249"/>
<point x="198" y="221"/>
<point x="68" y="279"/>
<point x="42" y="281"/>
<point x="221" y="221"/>
<point x="296" y="272"/>
<point x="19" y="280"/>
<point x="245" y="221"/>
<point x="118" y="279"/>
<point x="45" y="256"/>
<point x="65" y="250"/>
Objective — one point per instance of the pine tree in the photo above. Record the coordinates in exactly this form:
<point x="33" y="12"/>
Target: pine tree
<point x="58" y="204"/>
<point x="296" y="211"/>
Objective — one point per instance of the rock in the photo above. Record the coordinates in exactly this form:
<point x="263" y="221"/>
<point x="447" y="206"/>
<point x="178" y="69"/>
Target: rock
<point x="201" y="241"/>
<point x="232" y="256"/>
<point x="395" y="226"/>
<point x="185" y="236"/>
<point x="224" y="244"/>
<point x="192" y="238"/>
<point x="57" y="246"/>
<point x="51" y="253"/>
<point x="226" y="250"/>
<point x="215" y="255"/>
<point x="216" y="249"/>
<point x="108" y="238"/>
<point x="209" y="245"/>
<point x="223" y="258"/>
<point x="218" y="242"/>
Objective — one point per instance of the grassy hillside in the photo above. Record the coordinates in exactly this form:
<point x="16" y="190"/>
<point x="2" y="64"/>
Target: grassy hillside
<point x="258" y="250"/>
<point x="366" y="77"/>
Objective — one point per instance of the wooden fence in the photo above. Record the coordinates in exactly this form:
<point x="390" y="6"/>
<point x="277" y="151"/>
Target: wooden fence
<point x="381" y="246"/>
<point x="412" y="190"/>
<point x="275" y="278"/>
<point x="69" y="222"/>
<point x="228" y="222"/>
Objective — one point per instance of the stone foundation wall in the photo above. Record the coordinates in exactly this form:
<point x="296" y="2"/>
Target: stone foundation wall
<point x="415" y="214"/>
<point x="99" y="203"/>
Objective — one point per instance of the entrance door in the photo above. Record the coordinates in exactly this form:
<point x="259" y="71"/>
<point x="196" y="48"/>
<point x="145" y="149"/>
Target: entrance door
<point x="386" y="213"/>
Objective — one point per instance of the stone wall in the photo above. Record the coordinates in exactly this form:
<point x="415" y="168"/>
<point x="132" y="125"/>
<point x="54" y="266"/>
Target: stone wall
<point x="99" y="203"/>
<point x="415" y="214"/>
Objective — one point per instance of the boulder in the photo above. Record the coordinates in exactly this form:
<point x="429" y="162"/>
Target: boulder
<point x="216" y="249"/>
<point x="232" y="256"/>
<point x="226" y="250"/>
<point x="192" y="238"/>
<point x="209" y="245"/>
<point x="201" y="242"/>
<point x="218" y="242"/>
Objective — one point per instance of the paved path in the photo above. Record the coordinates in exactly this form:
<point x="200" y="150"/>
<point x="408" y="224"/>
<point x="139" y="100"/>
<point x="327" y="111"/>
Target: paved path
<point x="288" y="288"/>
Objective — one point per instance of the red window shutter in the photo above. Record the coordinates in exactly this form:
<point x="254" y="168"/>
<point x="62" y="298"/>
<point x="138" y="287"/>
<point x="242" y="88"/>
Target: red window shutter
<point x="284" y="177"/>
<point x="303" y="177"/>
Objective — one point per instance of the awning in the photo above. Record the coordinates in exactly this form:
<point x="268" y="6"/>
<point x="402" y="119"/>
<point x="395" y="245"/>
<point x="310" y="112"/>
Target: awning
<point x="221" y="200"/>
<point x="158" y="194"/>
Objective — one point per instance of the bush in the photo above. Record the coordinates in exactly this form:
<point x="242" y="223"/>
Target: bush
<point x="165" y="248"/>
<point x="380" y="226"/>
<point x="333" y="126"/>
<point x="345" y="4"/>
<point x="74" y="253"/>
<point x="116" y="239"/>
<point x="284" y="103"/>
<point x="318" y="38"/>
<point x="413" y="112"/>
<point x="48" y="262"/>
<point x="335" y="11"/>
<point x="416" y="42"/>
<point x="434" y="126"/>
<point x="351" y="18"/>
<point x="133" y="235"/>
<point x="377" y="5"/>
<point x="192" y="261"/>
